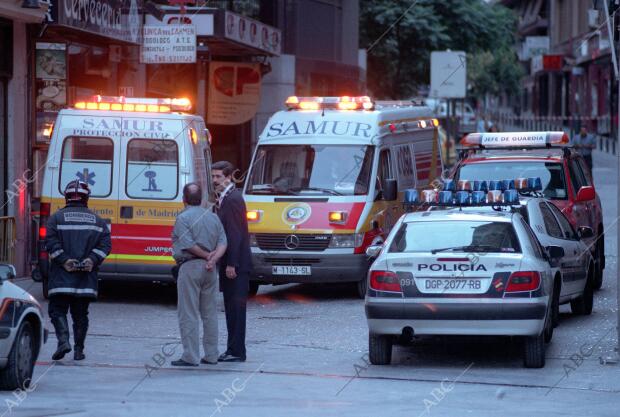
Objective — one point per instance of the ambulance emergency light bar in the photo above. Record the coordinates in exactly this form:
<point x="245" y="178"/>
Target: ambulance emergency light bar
<point x="474" y="193"/>
<point x="518" y="140"/>
<point x="337" y="103"/>
<point x="120" y="103"/>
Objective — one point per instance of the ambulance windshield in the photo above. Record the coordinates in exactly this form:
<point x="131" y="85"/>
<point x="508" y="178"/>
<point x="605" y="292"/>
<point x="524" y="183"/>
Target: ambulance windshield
<point x="311" y="170"/>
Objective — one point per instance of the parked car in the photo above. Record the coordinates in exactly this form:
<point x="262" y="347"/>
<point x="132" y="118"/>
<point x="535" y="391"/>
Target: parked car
<point x="461" y="273"/>
<point x="566" y="180"/>
<point x="22" y="332"/>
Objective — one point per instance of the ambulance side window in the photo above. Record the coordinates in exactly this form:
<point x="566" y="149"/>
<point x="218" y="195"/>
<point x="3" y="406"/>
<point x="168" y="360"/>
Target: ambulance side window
<point x="90" y="160"/>
<point x="405" y="166"/>
<point x="385" y="168"/>
<point x="152" y="169"/>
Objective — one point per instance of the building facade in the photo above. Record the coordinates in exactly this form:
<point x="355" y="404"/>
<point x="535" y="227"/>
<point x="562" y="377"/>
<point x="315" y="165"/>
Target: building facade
<point x="565" y="47"/>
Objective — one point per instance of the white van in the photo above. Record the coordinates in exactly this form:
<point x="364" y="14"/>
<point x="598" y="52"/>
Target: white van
<point x="136" y="155"/>
<point x="324" y="184"/>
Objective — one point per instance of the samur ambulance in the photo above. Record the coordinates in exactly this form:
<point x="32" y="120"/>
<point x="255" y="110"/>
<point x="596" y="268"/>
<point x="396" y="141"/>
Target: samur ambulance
<point x="136" y="155"/>
<point x="324" y="183"/>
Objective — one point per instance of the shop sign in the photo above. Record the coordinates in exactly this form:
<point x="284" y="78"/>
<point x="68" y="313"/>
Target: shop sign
<point x="203" y="22"/>
<point x="234" y="92"/>
<point x="168" y="44"/>
<point x="50" y="85"/>
<point x="115" y="19"/>
<point x="253" y="33"/>
<point x="552" y="62"/>
<point x="535" y="45"/>
<point x="536" y="64"/>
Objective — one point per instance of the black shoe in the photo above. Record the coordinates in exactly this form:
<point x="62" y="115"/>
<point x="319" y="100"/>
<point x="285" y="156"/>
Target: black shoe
<point x="206" y="362"/>
<point x="78" y="354"/>
<point x="61" y="327"/>
<point x="230" y="358"/>
<point x="61" y="351"/>
<point x="222" y="356"/>
<point x="181" y="362"/>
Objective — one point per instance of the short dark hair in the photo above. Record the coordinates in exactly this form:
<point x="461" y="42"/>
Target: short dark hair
<point x="226" y="167"/>
<point x="192" y="194"/>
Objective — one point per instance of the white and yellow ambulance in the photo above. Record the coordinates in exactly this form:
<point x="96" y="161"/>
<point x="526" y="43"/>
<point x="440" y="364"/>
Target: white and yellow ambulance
<point x="324" y="184"/>
<point x="136" y="155"/>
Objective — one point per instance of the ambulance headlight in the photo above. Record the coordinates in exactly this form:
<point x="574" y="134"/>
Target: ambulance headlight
<point x="253" y="242"/>
<point x="346" y="241"/>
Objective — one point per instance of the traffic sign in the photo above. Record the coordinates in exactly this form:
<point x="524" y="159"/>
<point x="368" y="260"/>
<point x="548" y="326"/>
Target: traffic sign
<point x="448" y="74"/>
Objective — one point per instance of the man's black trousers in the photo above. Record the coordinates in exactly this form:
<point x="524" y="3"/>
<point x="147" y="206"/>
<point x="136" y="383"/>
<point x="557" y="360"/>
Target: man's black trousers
<point x="61" y="304"/>
<point x="235" y="299"/>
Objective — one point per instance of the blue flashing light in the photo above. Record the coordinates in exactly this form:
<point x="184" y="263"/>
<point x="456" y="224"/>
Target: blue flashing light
<point x="480" y="186"/>
<point x="495" y="185"/>
<point x="445" y="197"/>
<point x="411" y="196"/>
<point x="508" y="185"/>
<point x="448" y="185"/>
<point x="534" y="183"/>
<point x="462" y="197"/>
<point x="478" y="197"/>
<point x="511" y="196"/>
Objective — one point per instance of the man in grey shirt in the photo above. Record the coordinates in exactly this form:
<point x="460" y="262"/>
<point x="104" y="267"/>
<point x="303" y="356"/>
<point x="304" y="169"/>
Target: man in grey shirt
<point x="585" y="143"/>
<point x="198" y="242"/>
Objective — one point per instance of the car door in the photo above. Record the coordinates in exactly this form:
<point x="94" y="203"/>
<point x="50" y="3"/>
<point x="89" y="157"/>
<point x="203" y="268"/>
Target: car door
<point x="581" y="209"/>
<point x="579" y="251"/>
<point x="569" y="264"/>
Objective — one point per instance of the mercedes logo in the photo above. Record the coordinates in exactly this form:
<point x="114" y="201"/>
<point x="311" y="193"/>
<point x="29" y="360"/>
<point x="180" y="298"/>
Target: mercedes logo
<point x="291" y="242"/>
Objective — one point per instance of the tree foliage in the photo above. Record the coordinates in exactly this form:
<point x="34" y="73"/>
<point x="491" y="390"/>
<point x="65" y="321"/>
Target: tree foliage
<point x="399" y="38"/>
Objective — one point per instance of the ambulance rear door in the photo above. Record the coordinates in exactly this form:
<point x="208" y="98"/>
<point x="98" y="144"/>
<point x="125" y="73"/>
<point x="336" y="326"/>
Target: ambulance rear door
<point x="153" y="171"/>
<point x="88" y="150"/>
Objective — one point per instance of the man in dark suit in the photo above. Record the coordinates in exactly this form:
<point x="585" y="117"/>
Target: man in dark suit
<point x="236" y="264"/>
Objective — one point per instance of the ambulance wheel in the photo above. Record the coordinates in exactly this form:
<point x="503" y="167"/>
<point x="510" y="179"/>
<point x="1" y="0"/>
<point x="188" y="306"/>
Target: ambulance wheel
<point x="36" y="275"/>
<point x="253" y="290"/>
<point x="361" y="288"/>
<point x="45" y="287"/>
<point x="534" y="351"/>
<point x="380" y="349"/>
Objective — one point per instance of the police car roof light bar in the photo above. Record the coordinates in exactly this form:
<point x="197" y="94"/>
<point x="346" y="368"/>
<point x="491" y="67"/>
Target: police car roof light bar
<point x="515" y="140"/>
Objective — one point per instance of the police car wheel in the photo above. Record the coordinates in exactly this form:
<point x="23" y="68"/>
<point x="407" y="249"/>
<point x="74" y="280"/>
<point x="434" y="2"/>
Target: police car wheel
<point x="20" y="364"/>
<point x="380" y="349"/>
<point x="361" y="288"/>
<point x="534" y="351"/>
<point x="584" y="303"/>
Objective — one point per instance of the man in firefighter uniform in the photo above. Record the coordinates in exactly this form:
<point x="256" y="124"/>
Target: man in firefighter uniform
<point x="77" y="242"/>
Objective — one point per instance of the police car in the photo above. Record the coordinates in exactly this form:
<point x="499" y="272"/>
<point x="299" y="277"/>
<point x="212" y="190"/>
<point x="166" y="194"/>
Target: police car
<point x="575" y="279"/>
<point x="566" y="180"/>
<point x="461" y="273"/>
<point x="22" y="332"/>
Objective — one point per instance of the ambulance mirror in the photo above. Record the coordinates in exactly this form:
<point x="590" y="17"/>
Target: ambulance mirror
<point x="389" y="191"/>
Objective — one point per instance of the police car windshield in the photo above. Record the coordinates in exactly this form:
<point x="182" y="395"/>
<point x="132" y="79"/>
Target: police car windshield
<point x="311" y="170"/>
<point x="455" y="236"/>
<point x="550" y="173"/>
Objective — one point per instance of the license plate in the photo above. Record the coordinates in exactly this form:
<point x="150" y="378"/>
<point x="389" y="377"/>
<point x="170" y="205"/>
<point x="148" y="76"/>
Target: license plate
<point x="291" y="270"/>
<point x="452" y="285"/>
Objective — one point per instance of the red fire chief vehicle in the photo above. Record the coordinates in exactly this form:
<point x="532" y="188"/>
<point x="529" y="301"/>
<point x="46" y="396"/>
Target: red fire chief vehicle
<point x="566" y="179"/>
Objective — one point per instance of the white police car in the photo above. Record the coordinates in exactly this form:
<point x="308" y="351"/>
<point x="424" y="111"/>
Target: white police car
<point x="22" y="332"/>
<point x="461" y="273"/>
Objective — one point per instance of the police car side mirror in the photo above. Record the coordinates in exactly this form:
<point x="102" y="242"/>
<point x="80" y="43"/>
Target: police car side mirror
<point x="585" y="232"/>
<point x="373" y="250"/>
<point x="7" y="271"/>
<point x="555" y="252"/>
<point x="389" y="189"/>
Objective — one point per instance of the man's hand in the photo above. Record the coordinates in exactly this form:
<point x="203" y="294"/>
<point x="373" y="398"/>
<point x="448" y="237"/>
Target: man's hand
<point x="231" y="273"/>
<point x="88" y="264"/>
<point x="210" y="264"/>
<point x="69" y="265"/>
